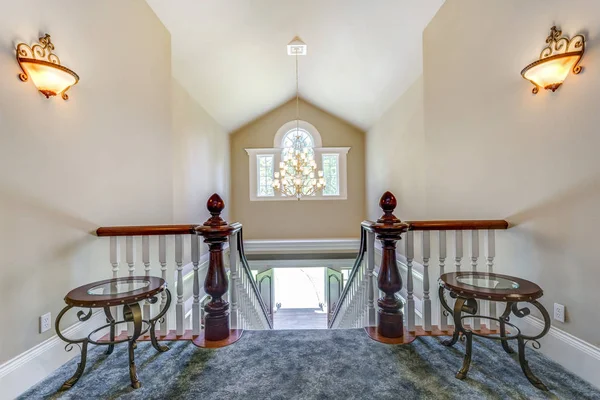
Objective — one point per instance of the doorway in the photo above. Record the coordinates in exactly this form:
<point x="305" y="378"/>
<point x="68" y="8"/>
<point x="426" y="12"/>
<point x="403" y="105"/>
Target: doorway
<point x="299" y="298"/>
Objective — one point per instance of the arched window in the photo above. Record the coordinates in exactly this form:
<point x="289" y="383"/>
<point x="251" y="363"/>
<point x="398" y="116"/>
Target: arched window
<point x="302" y="134"/>
<point x="297" y="139"/>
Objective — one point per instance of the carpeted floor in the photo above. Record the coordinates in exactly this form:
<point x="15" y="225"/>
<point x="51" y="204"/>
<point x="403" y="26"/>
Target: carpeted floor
<point x="313" y="364"/>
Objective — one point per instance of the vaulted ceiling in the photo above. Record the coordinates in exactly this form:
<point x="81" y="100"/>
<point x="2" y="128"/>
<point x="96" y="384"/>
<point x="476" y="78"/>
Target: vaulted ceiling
<point x="231" y="54"/>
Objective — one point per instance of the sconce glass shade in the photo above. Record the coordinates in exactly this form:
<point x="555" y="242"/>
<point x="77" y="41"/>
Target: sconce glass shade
<point x="556" y="61"/>
<point x="43" y="67"/>
<point x="49" y="78"/>
<point x="551" y="72"/>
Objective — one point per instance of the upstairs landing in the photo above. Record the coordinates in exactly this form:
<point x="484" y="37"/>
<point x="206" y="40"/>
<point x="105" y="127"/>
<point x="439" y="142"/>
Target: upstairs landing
<point x="314" y="364"/>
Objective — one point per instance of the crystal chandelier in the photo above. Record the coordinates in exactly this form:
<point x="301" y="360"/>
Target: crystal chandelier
<point x="298" y="175"/>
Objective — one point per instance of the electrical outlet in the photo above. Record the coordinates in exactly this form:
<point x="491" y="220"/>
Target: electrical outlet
<point x="559" y="312"/>
<point x="45" y="322"/>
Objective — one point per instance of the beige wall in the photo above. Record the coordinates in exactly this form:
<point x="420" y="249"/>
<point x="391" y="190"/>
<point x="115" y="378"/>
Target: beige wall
<point x="108" y="156"/>
<point x="395" y="162"/>
<point x="298" y="219"/>
<point x="200" y="157"/>
<point x="494" y="150"/>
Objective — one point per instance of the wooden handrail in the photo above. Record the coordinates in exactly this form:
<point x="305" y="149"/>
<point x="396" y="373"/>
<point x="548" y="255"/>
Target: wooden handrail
<point x="147" y="230"/>
<point x="457" y="225"/>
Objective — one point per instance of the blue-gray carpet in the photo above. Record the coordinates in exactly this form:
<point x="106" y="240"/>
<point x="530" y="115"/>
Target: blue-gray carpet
<point x="314" y="364"/>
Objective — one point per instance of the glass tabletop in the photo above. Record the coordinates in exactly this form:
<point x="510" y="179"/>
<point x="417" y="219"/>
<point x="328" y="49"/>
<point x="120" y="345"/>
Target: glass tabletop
<point x="487" y="282"/>
<point x="118" y="287"/>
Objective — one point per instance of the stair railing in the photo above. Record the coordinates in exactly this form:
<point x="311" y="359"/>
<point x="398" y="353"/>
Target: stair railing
<point x="157" y="242"/>
<point x="214" y="320"/>
<point x="248" y="310"/>
<point x="411" y="307"/>
<point x="355" y="307"/>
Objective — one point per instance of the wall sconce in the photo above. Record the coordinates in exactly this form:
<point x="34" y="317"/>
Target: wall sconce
<point x="43" y="67"/>
<point x="561" y="56"/>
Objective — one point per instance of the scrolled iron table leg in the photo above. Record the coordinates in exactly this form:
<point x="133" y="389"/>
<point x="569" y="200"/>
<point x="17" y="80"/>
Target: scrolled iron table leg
<point x="522" y="340"/>
<point x="111" y="320"/>
<point x="462" y="373"/>
<point x="157" y="318"/>
<point x="133" y="313"/>
<point x="82" y="343"/>
<point x="503" y="318"/>
<point x="535" y="381"/>
<point x="455" y="334"/>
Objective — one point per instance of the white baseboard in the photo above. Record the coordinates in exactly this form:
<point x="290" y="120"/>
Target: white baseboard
<point x="574" y="354"/>
<point x="28" y="368"/>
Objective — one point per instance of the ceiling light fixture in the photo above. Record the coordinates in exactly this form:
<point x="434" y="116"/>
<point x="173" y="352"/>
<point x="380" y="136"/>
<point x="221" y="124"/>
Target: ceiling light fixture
<point x="296" y="176"/>
<point x="561" y="56"/>
<point x="43" y="67"/>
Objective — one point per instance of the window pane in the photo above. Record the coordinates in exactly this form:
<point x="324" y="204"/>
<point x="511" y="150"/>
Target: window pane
<point x="265" y="175"/>
<point x="331" y="174"/>
<point x="298" y="140"/>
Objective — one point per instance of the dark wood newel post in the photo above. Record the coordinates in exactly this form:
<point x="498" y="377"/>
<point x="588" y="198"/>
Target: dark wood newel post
<point x="388" y="230"/>
<point x="215" y="232"/>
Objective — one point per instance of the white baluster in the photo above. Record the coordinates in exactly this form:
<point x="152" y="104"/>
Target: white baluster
<point x="233" y="273"/>
<point x="363" y="295"/>
<point x="162" y="259"/>
<point x="458" y="241"/>
<point x="146" y="262"/>
<point x="371" y="288"/>
<point x="410" y="301"/>
<point x="352" y="302"/>
<point x="244" y="304"/>
<point x="254" y="310"/>
<point x="115" y="259"/>
<point x="130" y="259"/>
<point x="195" y="245"/>
<point x="115" y="256"/>
<point x="180" y="308"/>
<point x="490" y="254"/>
<point x="130" y="254"/>
<point x="426" y="296"/>
<point x="356" y="295"/>
<point x="442" y="258"/>
<point x="474" y="257"/>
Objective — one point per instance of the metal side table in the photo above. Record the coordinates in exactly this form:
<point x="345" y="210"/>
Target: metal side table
<point x="126" y="292"/>
<point x="468" y="287"/>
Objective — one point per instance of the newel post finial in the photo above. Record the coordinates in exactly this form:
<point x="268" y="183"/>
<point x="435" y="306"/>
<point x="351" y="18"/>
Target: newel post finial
<point x="389" y="230"/>
<point x="388" y="204"/>
<point x="215" y="206"/>
<point x="216" y="232"/>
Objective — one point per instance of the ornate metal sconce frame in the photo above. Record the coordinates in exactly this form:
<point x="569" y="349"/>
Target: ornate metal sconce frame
<point x="41" y="53"/>
<point x="558" y="47"/>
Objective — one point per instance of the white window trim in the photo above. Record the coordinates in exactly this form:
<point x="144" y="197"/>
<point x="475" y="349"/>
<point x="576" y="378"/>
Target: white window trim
<point x="252" y="153"/>
<point x="276" y="153"/>
<point x="289" y="126"/>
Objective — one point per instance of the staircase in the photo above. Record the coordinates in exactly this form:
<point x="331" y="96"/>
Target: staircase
<point x="299" y="318"/>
